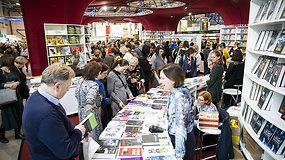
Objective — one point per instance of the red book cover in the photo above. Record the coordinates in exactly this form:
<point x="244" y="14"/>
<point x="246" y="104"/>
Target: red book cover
<point x="130" y="152"/>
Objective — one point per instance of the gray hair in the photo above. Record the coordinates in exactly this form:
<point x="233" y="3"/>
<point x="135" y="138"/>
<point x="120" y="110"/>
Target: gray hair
<point x="55" y="73"/>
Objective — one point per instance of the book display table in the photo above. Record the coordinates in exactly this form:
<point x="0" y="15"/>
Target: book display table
<point x="128" y="132"/>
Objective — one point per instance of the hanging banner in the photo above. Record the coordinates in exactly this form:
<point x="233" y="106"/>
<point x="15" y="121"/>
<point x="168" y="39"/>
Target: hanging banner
<point x="204" y="23"/>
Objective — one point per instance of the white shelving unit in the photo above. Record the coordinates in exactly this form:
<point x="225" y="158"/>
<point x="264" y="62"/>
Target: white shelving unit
<point x="62" y="39"/>
<point x="156" y="35"/>
<point x="272" y="116"/>
<point x="230" y="35"/>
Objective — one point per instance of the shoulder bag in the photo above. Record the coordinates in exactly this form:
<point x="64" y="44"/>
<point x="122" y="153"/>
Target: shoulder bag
<point x="7" y="95"/>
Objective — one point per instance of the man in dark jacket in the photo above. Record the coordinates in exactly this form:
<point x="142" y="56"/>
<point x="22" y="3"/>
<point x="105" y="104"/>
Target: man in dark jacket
<point x="49" y="132"/>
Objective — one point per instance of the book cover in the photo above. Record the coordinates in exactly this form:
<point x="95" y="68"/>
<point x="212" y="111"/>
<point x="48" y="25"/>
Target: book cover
<point x="59" y="50"/>
<point x="259" y="13"/>
<point x="259" y="40"/>
<point x="264" y="94"/>
<point x="117" y="124"/>
<point x="267" y="133"/>
<point x="277" y="140"/>
<point x="59" y="40"/>
<point x="108" y="142"/>
<point x="271" y="9"/>
<point x="150" y="139"/>
<point x="150" y="151"/>
<point x="133" y="158"/>
<point x="53" y="60"/>
<point x="265" y="39"/>
<point x="276" y="10"/>
<point x="131" y="135"/>
<point x="263" y="67"/>
<point x="133" y="129"/>
<point x="166" y="157"/>
<point x="269" y="72"/>
<point x="253" y="119"/>
<point x="160" y="101"/>
<point x="130" y="152"/>
<point x="264" y="11"/>
<point x="52" y="51"/>
<point x="131" y="142"/>
<point x="68" y="60"/>
<point x="252" y="91"/>
<point x="61" y="60"/>
<point x="106" y="152"/>
<point x="276" y="74"/>
<point x="257" y="64"/>
<point x="282" y="106"/>
<point x="258" y="124"/>
<point x="111" y="133"/>
<point x="89" y="122"/>
<point x="66" y="50"/>
<point x="280" y="43"/>
<point x="50" y="41"/>
<point x="134" y="122"/>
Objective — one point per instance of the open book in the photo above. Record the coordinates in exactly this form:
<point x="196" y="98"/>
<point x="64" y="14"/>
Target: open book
<point x="89" y="123"/>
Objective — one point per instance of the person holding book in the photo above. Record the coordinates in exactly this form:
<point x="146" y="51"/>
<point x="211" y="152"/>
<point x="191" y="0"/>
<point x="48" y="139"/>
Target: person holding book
<point x="117" y="86"/>
<point x="48" y="131"/>
<point x="180" y="111"/>
<point x="88" y="96"/>
<point x="214" y="84"/>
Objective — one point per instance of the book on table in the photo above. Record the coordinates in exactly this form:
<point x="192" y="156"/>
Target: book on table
<point x="106" y="152"/>
<point x="128" y="152"/>
<point x="131" y="142"/>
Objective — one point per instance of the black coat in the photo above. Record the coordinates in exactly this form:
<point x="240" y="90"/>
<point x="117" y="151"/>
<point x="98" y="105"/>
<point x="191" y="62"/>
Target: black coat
<point x="234" y="74"/>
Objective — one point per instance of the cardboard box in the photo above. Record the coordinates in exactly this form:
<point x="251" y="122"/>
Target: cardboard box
<point x="252" y="147"/>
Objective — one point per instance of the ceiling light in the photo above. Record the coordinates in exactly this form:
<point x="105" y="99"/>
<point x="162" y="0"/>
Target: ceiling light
<point x="105" y="8"/>
<point x="17" y="4"/>
<point x="189" y="14"/>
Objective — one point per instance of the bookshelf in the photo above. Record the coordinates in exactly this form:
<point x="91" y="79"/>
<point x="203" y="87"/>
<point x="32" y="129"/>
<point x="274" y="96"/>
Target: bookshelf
<point x="156" y="35"/>
<point x="267" y="20"/>
<point x="62" y="39"/>
<point x="231" y="34"/>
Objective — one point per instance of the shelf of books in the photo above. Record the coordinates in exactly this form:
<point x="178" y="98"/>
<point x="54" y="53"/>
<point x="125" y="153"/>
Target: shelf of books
<point x="231" y="34"/>
<point x="128" y="134"/>
<point x="63" y="39"/>
<point x="156" y="35"/>
<point x="263" y="101"/>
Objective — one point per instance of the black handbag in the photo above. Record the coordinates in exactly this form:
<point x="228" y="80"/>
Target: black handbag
<point x="24" y="91"/>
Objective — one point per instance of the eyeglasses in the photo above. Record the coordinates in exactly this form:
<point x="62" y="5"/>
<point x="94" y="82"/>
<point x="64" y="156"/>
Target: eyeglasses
<point x="201" y="100"/>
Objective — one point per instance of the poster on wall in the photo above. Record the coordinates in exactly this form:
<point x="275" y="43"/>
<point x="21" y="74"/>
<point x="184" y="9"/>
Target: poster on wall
<point x="100" y="30"/>
<point x="116" y="31"/>
<point x="204" y="23"/>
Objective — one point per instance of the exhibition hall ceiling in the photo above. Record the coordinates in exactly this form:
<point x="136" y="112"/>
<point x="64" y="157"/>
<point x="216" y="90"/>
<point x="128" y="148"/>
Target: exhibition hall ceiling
<point x="232" y="11"/>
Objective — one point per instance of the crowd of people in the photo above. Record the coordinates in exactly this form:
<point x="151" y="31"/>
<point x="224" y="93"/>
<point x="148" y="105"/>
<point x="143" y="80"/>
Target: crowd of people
<point x="117" y="72"/>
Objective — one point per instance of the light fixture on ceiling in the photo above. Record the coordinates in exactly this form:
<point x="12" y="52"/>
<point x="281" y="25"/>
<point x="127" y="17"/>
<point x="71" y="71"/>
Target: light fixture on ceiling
<point x="105" y="8"/>
<point x="185" y="7"/>
<point x="17" y="4"/>
<point x="189" y="14"/>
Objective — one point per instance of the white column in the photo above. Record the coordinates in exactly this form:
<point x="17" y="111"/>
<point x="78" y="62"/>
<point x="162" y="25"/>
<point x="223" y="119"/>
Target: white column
<point x="140" y="31"/>
<point x="94" y="29"/>
<point x="130" y="29"/>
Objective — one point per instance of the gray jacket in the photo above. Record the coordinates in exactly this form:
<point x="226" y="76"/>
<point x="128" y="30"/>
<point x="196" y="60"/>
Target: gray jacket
<point x="118" y="92"/>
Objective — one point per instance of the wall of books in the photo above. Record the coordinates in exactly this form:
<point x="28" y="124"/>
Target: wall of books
<point x="263" y="101"/>
<point x="156" y="35"/>
<point x="63" y="39"/>
<point x="230" y="35"/>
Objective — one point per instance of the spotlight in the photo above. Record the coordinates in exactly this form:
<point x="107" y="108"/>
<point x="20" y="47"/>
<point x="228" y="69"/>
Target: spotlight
<point x="189" y="14"/>
<point x="185" y="7"/>
<point x="105" y="8"/>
